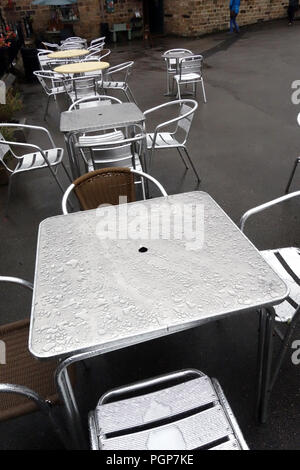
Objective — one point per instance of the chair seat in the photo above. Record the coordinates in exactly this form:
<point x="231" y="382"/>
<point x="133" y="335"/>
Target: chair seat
<point x="114" y="85"/>
<point x="163" y="140"/>
<point x="286" y="262"/>
<point x="186" y="416"/>
<point x="187" y="77"/>
<point x="35" y="160"/>
<point x="22" y="369"/>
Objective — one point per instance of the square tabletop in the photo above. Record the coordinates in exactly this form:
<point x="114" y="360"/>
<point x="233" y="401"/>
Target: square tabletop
<point x="100" y="117"/>
<point x="91" y="292"/>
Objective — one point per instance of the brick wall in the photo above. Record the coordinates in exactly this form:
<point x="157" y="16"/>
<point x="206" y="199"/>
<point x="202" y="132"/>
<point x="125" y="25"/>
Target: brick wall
<point x="91" y="15"/>
<point x="196" y="17"/>
<point x="40" y="14"/>
<point x="182" y="17"/>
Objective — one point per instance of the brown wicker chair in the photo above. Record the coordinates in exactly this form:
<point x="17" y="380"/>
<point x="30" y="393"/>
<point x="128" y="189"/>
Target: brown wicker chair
<point x="34" y="379"/>
<point x="106" y="186"/>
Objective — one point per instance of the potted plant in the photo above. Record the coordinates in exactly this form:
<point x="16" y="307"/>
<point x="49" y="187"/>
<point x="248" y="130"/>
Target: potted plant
<point x="7" y="114"/>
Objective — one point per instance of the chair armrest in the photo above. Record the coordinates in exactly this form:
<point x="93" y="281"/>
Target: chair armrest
<point x="16" y="280"/>
<point x="28" y="126"/>
<point x="266" y="205"/>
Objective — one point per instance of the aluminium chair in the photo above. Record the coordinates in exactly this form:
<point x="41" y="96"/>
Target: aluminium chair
<point x="38" y="158"/>
<point x="113" y="148"/>
<point x="171" y="64"/>
<point x="190" y="73"/>
<point x="116" y="78"/>
<point x="81" y="87"/>
<point x="25" y="383"/>
<point x="106" y="186"/>
<point x="184" y="410"/>
<point x="286" y="263"/>
<point x="163" y="138"/>
<point x="52" y="83"/>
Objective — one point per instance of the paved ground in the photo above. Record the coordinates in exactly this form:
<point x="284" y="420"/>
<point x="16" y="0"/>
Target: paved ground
<point x="244" y="141"/>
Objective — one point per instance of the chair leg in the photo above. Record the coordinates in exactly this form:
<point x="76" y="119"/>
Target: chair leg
<point x="67" y="173"/>
<point x="127" y="95"/>
<point x="131" y="94"/>
<point x="178" y="91"/>
<point x="203" y="89"/>
<point x="182" y="158"/>
<point x="47" y="107"/>
<point x="192" y="164"/>
<point x="8" y="196"/>
<point x="292" y="175"/>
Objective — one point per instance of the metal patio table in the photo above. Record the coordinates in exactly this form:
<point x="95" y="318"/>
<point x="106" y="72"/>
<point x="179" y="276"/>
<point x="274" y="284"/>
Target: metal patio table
<point x="176" y="55"/>
<point x="94" y="295"/>
<point x="97" y="118"/>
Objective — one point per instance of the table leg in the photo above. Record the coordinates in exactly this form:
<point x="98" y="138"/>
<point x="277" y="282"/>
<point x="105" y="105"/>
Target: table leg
<point x="67" y="396"/>
<point x="73" y="162"/>
<point x="265" y="354"/>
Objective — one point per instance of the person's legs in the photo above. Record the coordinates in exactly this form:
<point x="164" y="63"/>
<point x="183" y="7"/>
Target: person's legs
<point x="236" y="27"/>
<point x="291" y="14"/>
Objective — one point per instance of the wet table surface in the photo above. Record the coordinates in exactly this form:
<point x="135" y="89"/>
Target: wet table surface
<point x="109" y="293"/>
<point x="82" y="67"/>
<point x="68" y="53"/>
<point x="100" y="117"/>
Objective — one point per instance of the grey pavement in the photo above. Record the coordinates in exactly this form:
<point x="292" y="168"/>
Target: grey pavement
<point x="244" y="142"/>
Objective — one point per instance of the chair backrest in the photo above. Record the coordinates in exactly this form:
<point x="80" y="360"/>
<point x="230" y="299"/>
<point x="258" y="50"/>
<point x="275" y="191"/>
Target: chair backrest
<point x="122" y="71"/>
<point x="49" y="79"/>
<point x="186" y="114"/>
<point x="51" y="46"/>
<point x="92" y="101"/>
<point x="72" y="45"/>
<point x="97" y="41"/>
<point x="98" y="53"/>
<point x="82" y="86"/>
<point x="106" y="186"/>
<point x="192" y="64"/>
<point x="171" y="61"/>
<point x="112" y="148"/>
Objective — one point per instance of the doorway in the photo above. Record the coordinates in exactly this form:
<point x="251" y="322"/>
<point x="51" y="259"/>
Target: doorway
<point x="154" y="15"/>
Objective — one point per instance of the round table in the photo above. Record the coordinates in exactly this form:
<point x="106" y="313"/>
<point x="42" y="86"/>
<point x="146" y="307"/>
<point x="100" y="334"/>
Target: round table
<point x="81" y="67"/>
<point x="68" y="54"/>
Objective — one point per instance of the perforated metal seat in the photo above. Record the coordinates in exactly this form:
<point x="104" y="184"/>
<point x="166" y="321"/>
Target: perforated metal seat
<point x="36" y="160"/>
<point x="193" y="414"/>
